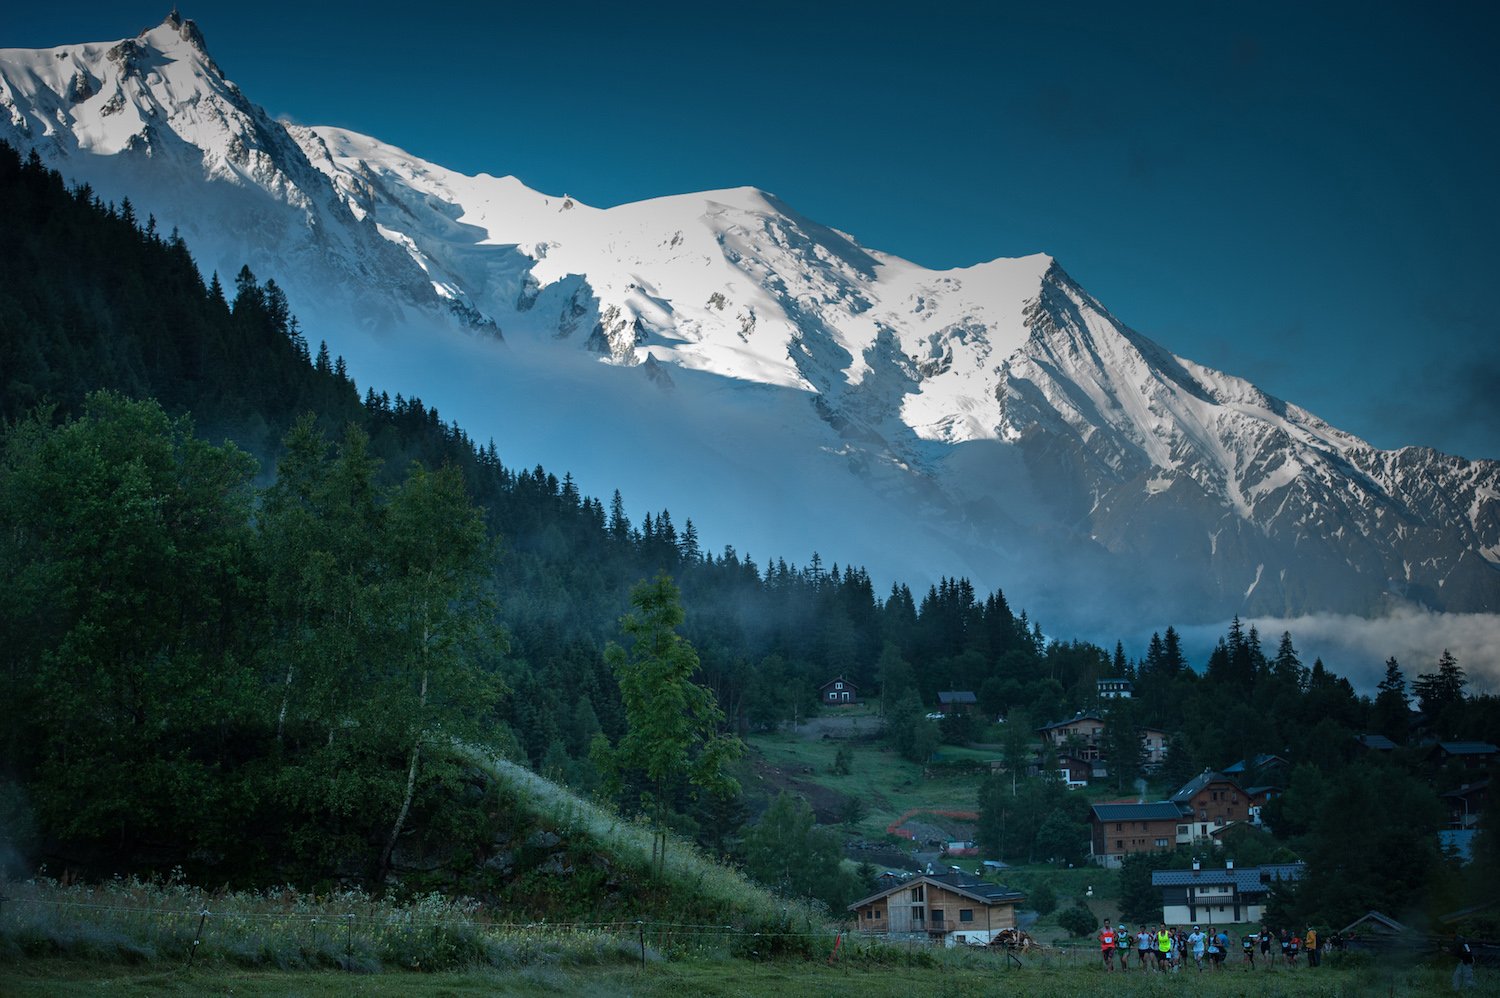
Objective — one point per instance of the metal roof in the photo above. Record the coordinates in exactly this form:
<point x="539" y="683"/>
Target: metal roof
<point x="1245" y="879"/>
<point x="1264" y="759"/>
<point x="1161" y="810"/>
<point x="1080" y="716"/>
<point x="957" y="696"/>
<point x="1197" y="783"/>
<point x="1468" y="748"/>
<point x="963" y="883"/>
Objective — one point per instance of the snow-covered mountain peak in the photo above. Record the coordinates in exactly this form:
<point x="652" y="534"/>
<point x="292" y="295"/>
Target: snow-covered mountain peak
<point x="987" y="418"/>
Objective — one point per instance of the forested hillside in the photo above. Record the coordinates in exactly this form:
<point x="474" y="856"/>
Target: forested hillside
<point x="95" y="298"/>
<point x="248" y="606"/>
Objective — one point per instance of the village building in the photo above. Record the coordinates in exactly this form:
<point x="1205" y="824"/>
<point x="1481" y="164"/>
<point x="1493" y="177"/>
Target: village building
<point x="1082" y="733"/>
<point x="1470" y="755"/>
<point x="1259" y="797"/>
<point x="838" y="692"/>
<point x="1375" y="743"/>
<point x="1113" y="689"/>
<point x="1154" y="747"/>
<point x="1219" y="896"/>
<point x="1264" y="768"/>
<point x="1118" y="830"/>
<point x="957" y="702"/>
<point x="953" y="908"/>
<point x="1209" y="803"/>
<point x="1466" y="803"/>
<point x="1073" y="771"/>
<point x="1378" y="934"/>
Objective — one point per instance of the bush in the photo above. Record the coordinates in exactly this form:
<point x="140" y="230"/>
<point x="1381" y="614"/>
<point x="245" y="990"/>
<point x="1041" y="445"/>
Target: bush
<point x="1044" y="898"/>
<point x="1078" y="920"/>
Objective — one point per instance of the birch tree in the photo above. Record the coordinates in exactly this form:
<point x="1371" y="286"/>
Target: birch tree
<point x="673" y="736"/>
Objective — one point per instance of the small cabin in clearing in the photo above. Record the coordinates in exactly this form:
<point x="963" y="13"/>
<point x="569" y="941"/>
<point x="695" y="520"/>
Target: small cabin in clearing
<point x="838" y="692"/>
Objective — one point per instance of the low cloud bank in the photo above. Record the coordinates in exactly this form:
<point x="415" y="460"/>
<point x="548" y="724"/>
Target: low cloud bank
<point x="1357" y="647"/>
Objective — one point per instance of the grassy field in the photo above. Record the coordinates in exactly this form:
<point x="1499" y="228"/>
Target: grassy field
<point x="887" y="783"/>
<point x="958" y="977"/>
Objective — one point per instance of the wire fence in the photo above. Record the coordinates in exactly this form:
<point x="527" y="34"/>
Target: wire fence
<point x="357" y="933"/>
<point x="142" y="925"/>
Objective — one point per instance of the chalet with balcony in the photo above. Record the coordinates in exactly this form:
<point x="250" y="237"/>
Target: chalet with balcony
<point x="1219" y="897"/>
<point x="1154" y="744"/>
<point x="952" y="908"/>
<point x="1113" y="689"/>
<point x="1080" y="734"/>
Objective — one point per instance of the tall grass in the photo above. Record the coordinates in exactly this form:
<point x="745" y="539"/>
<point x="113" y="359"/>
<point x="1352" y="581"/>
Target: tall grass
<point x="717" y="891"/>
<point x="718" y="911"/>
<point x="143" y="922"/>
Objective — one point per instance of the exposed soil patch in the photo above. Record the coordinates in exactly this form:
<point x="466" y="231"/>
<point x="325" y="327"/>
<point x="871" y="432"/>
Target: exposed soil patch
<point x="827" y="804"/>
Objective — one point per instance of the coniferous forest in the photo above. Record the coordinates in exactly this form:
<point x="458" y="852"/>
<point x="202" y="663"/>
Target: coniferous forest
<point x="250" y="608"/>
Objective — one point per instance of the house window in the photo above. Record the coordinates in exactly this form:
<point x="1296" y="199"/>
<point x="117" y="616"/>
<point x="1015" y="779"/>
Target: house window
<point x="937" y="916"/>
<point x="916" y="893"/>
<point x="879" y="913"/>
<point x="1119" y="826"/>
<point x="1182" y="829"/>
<point x="838" y="686"/>
<point x="916" y="914"/>
<point x="1119" y="843"/>
<point x="1161" y="843"/>
<point x="965" y="915"/>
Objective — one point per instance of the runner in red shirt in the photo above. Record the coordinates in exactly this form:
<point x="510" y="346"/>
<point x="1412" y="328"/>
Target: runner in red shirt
<point x="1108" y="940"/>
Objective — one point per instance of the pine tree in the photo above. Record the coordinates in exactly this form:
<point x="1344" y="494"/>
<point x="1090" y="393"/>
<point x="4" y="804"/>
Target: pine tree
<point x="1439" y="693"/>
<point x="1392" y="712"/>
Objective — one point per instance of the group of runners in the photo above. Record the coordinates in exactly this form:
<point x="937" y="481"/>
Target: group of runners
<point x="1166" y="948"/>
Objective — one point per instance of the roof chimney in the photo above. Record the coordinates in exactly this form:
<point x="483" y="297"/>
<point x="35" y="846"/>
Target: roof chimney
<point x="1229" y="864"/>
<point x="1195" y="864"/>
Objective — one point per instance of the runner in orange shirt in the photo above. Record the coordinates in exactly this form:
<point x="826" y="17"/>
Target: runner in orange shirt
<point x="1108" y="940"/>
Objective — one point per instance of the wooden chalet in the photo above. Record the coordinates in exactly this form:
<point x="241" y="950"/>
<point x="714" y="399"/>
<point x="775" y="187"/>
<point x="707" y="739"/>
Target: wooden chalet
<point x="1084" y="730"/>
<point x="957" y="702"/>
<point x="1117" y="830"/>
<point x="953" y="908"/>
<point x="1209" y="802"/>
<point x="838" y="692"/>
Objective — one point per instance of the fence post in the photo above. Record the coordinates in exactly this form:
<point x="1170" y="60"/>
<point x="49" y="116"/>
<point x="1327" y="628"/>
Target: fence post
<point x="640" y="927"/>
<point x="349" y="942"/>
<point x="197" y="936"/>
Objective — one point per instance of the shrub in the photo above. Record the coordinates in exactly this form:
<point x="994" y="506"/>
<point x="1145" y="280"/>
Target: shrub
<point x="1078" y="920"/>
<point x="1044" y="898"/>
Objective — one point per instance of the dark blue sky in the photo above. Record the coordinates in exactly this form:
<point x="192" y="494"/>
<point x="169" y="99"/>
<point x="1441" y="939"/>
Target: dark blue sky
<point x="1302" y="197"/>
